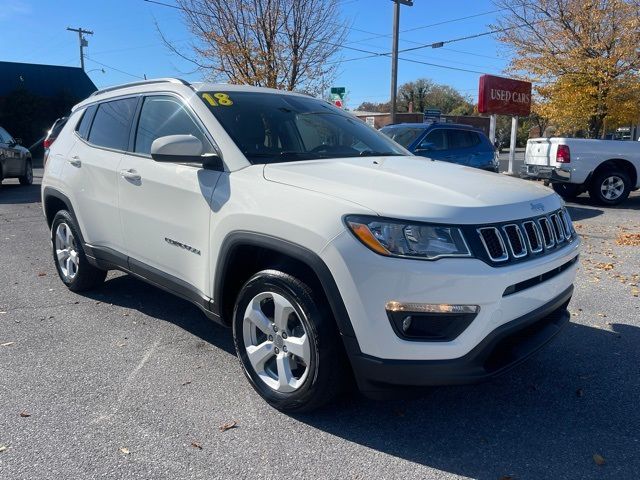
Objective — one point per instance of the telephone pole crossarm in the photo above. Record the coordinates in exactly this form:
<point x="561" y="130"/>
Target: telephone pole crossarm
<point x="83" y="41"/>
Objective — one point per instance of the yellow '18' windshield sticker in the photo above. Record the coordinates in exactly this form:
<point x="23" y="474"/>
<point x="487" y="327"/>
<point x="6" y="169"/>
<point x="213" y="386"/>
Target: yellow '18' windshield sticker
<point x="216" y="99"/>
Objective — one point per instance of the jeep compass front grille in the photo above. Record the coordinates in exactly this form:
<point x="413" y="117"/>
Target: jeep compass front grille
<point x="503" y="244"/>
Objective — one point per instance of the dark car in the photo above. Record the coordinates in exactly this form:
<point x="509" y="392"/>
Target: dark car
<point x="52" y="134"/>
<point x="449" y="142"/>
<point x="15" y="160"/>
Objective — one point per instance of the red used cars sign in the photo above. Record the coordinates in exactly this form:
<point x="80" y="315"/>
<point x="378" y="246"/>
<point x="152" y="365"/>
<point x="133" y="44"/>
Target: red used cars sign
<point x="504" y="96"/>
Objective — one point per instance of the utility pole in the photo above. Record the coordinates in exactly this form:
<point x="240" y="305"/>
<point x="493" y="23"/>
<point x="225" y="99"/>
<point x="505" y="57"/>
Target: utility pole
<point x="394" y="55"/>
<point x="83" y="42"/>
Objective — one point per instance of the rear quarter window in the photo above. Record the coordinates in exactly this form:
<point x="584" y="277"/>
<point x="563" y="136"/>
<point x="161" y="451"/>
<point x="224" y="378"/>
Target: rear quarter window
<point x="112" y="123"/>
<point x="82" y="128"/>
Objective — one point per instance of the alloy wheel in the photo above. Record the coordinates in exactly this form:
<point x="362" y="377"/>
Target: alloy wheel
<point x="66" y="252"/>
<point x="276" y="341"/>
<point x="612" y="187"/>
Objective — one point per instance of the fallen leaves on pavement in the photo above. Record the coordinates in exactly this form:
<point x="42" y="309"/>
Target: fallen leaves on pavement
<point x="228" y="426"/>
<point x="605" y="266"/>
<point x="599" y="459"/>
<point x="7" y="344"/>
<point x="196" y="445"/>
<point x="3" y="448"/>
<point x="629" y="239"/>
<point x="25" y="414"/>
<point x="125" y="450"/>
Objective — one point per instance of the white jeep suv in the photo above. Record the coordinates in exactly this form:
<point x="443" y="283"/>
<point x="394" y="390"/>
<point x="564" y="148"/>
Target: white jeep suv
<point x="325" y="246"/>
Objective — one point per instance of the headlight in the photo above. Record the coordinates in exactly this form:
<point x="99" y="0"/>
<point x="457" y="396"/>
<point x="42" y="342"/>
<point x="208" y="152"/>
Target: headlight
<point x="396" y="238"/>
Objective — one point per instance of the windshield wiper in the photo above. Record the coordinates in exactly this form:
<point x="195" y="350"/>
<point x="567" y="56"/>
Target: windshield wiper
<point x="371" y="153"/>
<point x="284" y="154"/>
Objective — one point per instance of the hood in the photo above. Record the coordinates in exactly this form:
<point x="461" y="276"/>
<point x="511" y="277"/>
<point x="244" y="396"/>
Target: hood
<point x="416" y="188"/>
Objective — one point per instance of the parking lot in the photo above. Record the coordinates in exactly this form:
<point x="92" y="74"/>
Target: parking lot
<point x="130" y="382"/>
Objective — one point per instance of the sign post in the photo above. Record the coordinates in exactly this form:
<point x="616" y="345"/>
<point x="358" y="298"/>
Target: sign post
<point x="492" y="128"/>
<point x="512" y="145"/>
<point x="337" y="96"/>
<point x="504" y="96"/>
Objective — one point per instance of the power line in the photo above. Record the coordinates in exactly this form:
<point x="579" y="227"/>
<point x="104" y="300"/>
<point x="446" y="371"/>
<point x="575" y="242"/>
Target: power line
<point x="372" y="54"/>
<point x="459" y="19"/>
<point x="114" y="68"/>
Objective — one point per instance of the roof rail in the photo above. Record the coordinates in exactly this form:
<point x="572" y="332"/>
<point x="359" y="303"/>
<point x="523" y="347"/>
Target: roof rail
<point x="142" y="82"/>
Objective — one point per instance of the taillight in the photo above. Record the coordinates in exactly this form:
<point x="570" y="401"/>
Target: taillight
<point x="563" y="155"/>
<point x="48" y="142"/>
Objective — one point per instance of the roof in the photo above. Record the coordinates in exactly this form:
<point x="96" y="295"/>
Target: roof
<point x="432" y="124"/>
<point x="176" y="85"/>
<point x="44" y="80"/>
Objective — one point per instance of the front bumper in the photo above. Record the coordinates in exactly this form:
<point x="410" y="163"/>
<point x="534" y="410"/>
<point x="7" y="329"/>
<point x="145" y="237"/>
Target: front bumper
<point x="505" y="347"/>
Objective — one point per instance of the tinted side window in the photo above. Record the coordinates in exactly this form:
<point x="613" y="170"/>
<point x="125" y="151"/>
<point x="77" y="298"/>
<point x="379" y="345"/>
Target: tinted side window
<point x="462" y="139"/>
<point x="112" y="123"/>
<point x="83" y="125"/>
<point x="161" y="116"/>
<point x="437" y="139"/>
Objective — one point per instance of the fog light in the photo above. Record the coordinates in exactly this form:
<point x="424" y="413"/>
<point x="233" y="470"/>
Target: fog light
<point x="394" y="306"/>
<point x="406" y="324"/>
<point x="430" y="322"/>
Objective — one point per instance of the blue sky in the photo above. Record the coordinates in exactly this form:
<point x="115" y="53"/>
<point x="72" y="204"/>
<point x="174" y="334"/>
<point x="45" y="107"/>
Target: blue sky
<point x="127" y="45"/>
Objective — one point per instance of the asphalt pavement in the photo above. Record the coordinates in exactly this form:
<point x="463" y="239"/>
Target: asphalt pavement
<point x="129" y="382"/>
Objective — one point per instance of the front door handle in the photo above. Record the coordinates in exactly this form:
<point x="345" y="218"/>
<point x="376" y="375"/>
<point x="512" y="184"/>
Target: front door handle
<point x="75" y="161"/>
<point x="130" y="174"/>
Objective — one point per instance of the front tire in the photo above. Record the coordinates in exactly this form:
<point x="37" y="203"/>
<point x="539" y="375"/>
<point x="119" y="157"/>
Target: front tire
<point x="27" y="178"/>
<point x="72" y="265"/>
<point x="287" y="342"/>
<point x="610" y="187"/>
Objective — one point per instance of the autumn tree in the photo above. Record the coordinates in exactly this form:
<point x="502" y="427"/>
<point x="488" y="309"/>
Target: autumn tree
<point x="582" y="56"/>
<point x="284" y="44"/>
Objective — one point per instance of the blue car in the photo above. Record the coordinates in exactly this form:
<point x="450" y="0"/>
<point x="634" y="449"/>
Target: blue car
<point x="448" y="142"/>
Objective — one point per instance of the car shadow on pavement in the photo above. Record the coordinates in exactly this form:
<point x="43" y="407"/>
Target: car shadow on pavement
<point x="545" y="419"/>
<point x="16" y="193"/>
<point x="583" y="213"/>
<point x="128" y="292"/>
<point x="631" y="203"/>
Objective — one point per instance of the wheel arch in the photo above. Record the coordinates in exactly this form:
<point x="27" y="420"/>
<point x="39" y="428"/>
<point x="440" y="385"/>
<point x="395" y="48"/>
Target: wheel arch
<point x="53" y="201"/>
<point x="244" y="253"/>
<point x="620" y="163"/>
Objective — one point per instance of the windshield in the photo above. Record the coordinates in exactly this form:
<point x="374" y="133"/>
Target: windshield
<point x="271" y="127"/>
<point x="404" y="135"/>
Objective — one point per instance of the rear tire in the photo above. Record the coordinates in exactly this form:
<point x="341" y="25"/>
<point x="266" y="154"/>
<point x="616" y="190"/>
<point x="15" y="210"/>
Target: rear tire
<point x="568" y="191"/>
<point x="287" y="342"/>
<point x="27" y="178"/>
<point x="610" y="187"/>
<point x="72" y="265"/>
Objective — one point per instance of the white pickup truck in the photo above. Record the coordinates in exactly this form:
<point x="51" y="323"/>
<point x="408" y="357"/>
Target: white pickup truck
<point x="607" y="169"/>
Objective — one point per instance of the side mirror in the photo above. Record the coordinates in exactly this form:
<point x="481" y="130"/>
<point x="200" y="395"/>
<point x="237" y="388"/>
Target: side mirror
<point x="424" y="147"/>
<point x="183" y="149"/>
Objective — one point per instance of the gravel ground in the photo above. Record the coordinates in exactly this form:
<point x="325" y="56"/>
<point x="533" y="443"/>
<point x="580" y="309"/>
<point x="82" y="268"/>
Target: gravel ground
<point x="129" y="382"/>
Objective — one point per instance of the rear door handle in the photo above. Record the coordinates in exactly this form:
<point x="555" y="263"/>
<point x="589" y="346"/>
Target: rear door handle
<point x="75" y="161"/>
<point x="130" y="174"/>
